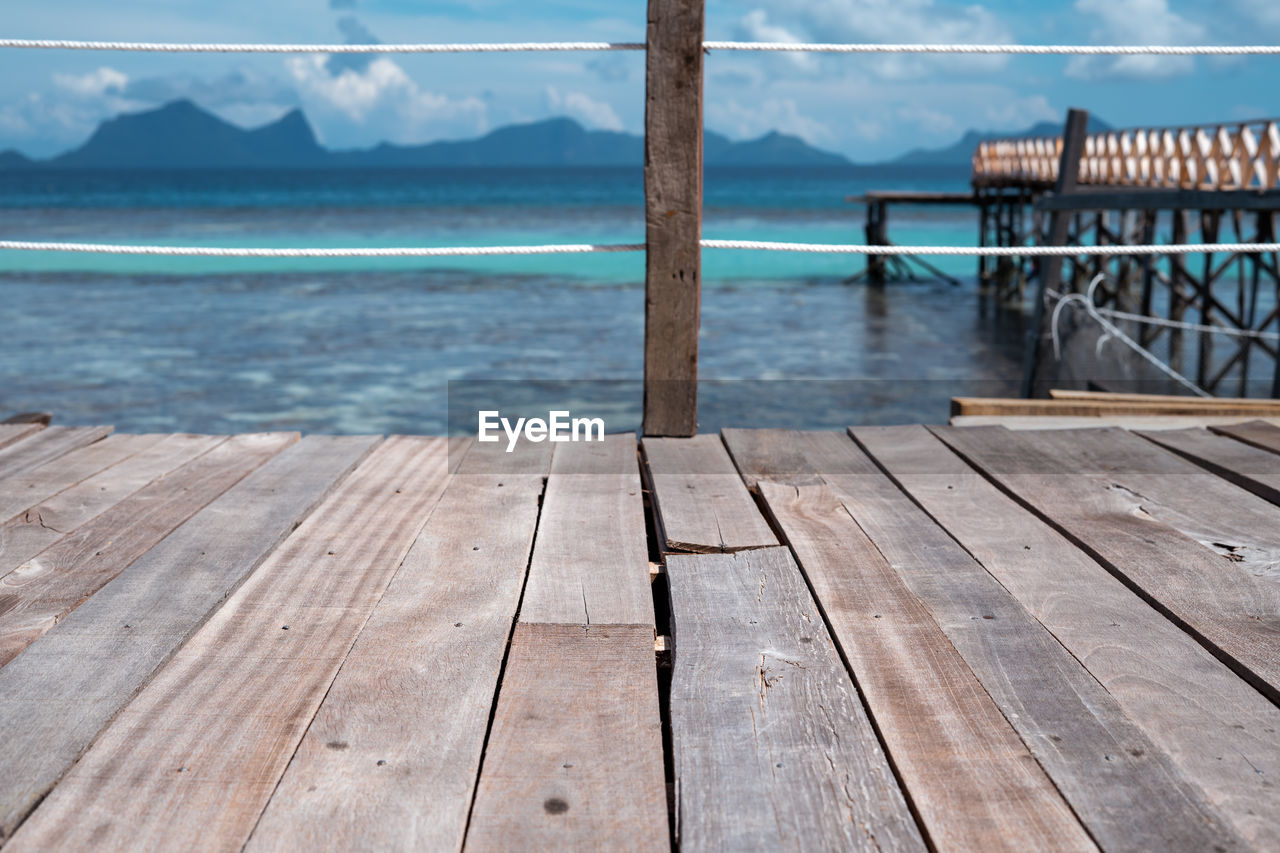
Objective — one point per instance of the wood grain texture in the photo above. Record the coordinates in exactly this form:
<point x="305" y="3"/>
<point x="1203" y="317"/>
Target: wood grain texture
<point x="1216" y="728"/>
<point x="701" y="502"/>
<point x="1100" y="495"/>
<point x="673" y="215"/>
<point x="116" y="516"/>
<point x="391" y="759"/>
<point x="574" y="758"/>
<point x="1259" y="433"/>
<point x="193" y="759"/>
<point x="24" y="491"/>
<point x="13" y="433"/>
<point x="1248" y="467"/>
<point x="1183" y="406"/>
<point x="45" y="446"/>
<point x="972" y="780"/>
<point x="771" y="746"/>
<point x="591" y="564"/>
<point x="1147" y="422"/>
<point x="58" y="694"/>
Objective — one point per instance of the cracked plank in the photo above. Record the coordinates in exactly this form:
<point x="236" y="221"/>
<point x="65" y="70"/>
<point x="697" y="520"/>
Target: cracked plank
<point x="392" y="756"/>
<point x="574" y="759"/>
<point x="1119" y="497"/>
<point x="1216" y="728"/>
<point x="771" y="746"/>
<point x="193" y="759"/>
<point x="701" y="502"/>
<point x="45" y="446"/>
<point x="58" y="694"/>
<point x="591" y="563"/>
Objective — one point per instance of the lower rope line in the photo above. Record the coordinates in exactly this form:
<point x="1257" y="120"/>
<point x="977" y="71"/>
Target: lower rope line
<point x="585" y="248"/>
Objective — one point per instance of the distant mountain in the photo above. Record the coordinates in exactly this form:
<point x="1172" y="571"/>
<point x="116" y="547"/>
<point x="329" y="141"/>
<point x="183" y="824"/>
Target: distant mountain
<point x="961" y="152"/>
<point x="181" y="135"/>
<point x="11" y="159"/>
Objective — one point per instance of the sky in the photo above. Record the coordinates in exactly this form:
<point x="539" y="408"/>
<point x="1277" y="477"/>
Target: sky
<point x="868" y="108"/>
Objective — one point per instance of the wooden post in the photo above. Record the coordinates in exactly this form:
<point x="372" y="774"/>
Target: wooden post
<point x="1073" y="136"/>
<point x="673" y="216"/>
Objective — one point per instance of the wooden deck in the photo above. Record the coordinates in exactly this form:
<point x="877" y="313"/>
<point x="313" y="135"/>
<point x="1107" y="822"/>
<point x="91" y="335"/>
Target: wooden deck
<point x="907" y="638"/>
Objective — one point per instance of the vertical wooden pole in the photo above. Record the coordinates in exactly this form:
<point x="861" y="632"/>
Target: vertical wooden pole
<point x="673" y="215"/>
<point x="1073" y="136"/>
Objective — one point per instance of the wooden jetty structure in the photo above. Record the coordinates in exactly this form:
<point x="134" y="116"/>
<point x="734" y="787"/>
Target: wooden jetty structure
<point x="907" y="638"/>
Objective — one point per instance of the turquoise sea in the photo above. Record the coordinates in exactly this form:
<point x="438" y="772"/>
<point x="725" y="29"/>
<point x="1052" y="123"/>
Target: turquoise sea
<point x="372" y="345"/>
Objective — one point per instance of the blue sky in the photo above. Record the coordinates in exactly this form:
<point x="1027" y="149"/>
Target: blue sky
<point x="866" y="107"/>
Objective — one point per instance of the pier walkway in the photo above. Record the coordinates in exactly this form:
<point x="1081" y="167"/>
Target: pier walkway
<point x="908" y="638"/>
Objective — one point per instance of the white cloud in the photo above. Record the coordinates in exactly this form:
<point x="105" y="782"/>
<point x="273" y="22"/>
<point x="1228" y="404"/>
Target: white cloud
<point x="94" y="84"/>
<point x="755" y="26"/>
<point x="383" y="98"/>
<point x="757" y="118"/>
<point x="1018" y="113"/>
<point x="592" y="113"/>
<point x="1134" y="22"/>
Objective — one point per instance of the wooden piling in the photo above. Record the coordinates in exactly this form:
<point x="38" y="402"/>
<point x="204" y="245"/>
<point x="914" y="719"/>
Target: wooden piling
<point x="673" y="216"/>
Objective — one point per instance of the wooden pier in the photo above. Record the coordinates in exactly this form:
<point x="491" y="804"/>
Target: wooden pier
<point x="899" y="638"/>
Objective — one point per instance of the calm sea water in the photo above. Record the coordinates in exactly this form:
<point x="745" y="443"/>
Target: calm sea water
<point x="361" y="345"/>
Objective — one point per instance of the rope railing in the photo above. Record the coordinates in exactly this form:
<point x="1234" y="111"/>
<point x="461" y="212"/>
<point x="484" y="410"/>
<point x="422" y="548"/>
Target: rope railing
<point x="516" y="47"/>
<point x="586" y="248"/>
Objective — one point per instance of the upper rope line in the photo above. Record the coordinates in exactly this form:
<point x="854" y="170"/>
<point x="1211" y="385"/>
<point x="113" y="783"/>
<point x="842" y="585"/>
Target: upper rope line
<point x="517" y="47"/>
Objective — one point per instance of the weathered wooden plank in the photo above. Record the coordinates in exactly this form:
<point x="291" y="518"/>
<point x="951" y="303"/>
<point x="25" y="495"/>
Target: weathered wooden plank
<point x="1069" y="722"/>
<point x="673" y="215"/>
<point x="1184" y="406"/>
<point x="13" y="433"/>
<point x="191" y="472"/>
<point x="971" y="779"/>
<point x="1234" y="614"/>
<point x="1217" y="729"/>
<point x="1121" y="397"/>
<point x="771" y="746"/>
<point x="58" y="694"/>
<point x="392" y="756"/>
<point x="24" y="491"/>
<point x="46" y="445"/>
<point x="1248" y="467"/>
<point x="591" y="564"/>
<point x="232" y="704"/>
<point x="1259" y="433"/>
<point x="574" y="759"/>
<point x="701" y="503"/>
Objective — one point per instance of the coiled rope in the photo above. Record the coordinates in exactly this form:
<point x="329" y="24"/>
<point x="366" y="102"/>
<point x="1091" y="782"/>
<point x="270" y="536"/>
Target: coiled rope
<point x="516" y="47"/>
<point x="585" y="248"/>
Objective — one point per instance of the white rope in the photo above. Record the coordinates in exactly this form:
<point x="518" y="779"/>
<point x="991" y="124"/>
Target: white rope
<point x="511" y="47"/>
<point x="1086" y="301"/>
<point x="584" y="248"/>
<point x="1033" y="49"/>
<point x="372" y="252"/>
<point x="1192" y="327"/>
<point x="994" y="251"/>
<point x="186" y="47"/>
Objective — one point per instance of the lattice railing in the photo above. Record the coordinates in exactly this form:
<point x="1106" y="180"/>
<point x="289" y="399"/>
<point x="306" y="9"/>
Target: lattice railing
<point x="1230" y="156"/>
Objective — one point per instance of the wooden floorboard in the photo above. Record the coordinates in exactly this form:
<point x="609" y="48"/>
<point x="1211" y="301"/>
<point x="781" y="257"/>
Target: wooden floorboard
<point x="1248" y="467"/>
<point x="701" y="503"/>
<point x="392" y="756"/>
<point x="1260" y="434"/>
<point x="771" y="746"/>
<point x="58" y="694"/>
<point x="25" y="491"/>
<point x="13" y="433"/>
<point x="1105" y="504"/>
<point x="193" y="759"/>
<point x="1216" y="728"/>
<point x="591" y="564"/>
<point x="45" y="446"/>
<point x="574" y="758"/>
<point x="113" y="519"/>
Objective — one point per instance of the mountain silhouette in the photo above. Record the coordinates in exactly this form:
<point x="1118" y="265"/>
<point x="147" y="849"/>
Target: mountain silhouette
<point x="181" y="135"/>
